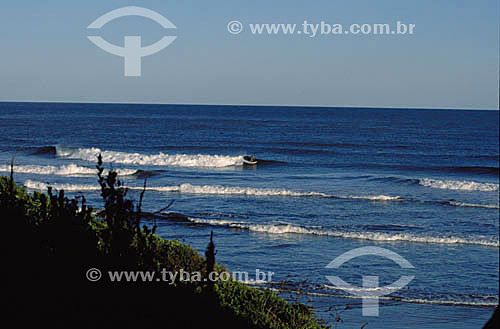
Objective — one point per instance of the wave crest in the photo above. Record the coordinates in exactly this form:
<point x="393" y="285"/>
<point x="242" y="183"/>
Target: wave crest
<point x="223" y="190"/>
<point x="159" y="159"/>
<point x="458" y="185"/>
<point x="64" y="170"/>
<point x="250" y="191"/>
<point x="282" y="228"/>
<point x="67" y="187"/>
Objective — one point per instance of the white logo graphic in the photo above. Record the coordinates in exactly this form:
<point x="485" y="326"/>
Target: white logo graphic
<point x="132" y="51"/>
<point x="370" y="292"/>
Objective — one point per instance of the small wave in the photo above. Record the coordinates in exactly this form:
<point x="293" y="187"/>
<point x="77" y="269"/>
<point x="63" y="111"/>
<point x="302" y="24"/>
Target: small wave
<point x="373" y="197"/>
<point x="358" y="290"/>
<point x="478" y="301"/>
<point x="442" y="184"/>
<point x="233" y="190"/>
<point x="458" y="185"/>
<point x="159" y="159"/>
<point x="447" y="302"/>
<point x="472" y="205"/>
<point x="373" y="236"/>
<point x="249" y="191"/>
<point x="64" y="170"/>
<point x="41" y="186"/>
<point x="67" y="187"/>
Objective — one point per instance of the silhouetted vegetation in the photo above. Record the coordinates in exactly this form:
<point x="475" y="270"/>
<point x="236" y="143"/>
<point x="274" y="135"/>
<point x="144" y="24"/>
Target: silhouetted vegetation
<point x="52" y="240"/>
<point x="494" y="321"/>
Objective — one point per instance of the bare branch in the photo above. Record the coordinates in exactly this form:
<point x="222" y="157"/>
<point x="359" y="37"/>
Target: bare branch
<point x="164" y="208"/>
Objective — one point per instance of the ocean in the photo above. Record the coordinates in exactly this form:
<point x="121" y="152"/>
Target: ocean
<point x="421" y="183"/>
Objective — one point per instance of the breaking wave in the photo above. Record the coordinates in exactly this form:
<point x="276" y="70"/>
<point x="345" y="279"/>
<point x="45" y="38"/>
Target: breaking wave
<point x="448" y="302"/>
<point x="283" y="228"/>
<point x="472" y="205"/>
<point x="159" y="159"/>
<point x="442" y="184"/>
<point x="64" y="170"/>
<point x="218" y="190"/>
<point x="452" y="300"/>
<point x="458" y="185"/>
<point x="250" y="191"/>
<point x="67" y="187"/>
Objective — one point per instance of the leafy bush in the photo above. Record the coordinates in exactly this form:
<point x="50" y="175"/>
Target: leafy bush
<point x="53" y="240"/>
<point x="262" y="308"/>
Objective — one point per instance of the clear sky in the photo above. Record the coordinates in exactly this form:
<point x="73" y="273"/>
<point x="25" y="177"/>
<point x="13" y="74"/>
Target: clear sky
<point x="451" y="60"/>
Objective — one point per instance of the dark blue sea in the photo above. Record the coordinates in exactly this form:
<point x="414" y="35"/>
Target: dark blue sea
<point x="421" y="183"/>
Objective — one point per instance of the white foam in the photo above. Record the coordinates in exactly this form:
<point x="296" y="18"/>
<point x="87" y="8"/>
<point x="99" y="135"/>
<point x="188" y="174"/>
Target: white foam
<point x="284" y="228"/>
<point x="250" y="191"/>
<point x="159" y="159"/>
<point x="450" y="301"/>
<point x="215" y="222"/>
<point x="87" y="187"/>
<point x="235" y="190"/>
<point x="375" y="197"/>
<point x="373" y="236"/>
<point x="64" y="170"/>
<point x="458" y="185"/>
<point x="474" y="205"/>
<point x="358" y="290"/>
<point x="67" y="187"/>
<point x="261" y="192"/>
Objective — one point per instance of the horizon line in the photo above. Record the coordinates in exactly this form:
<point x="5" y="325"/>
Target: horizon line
<point x="254" y="105"/>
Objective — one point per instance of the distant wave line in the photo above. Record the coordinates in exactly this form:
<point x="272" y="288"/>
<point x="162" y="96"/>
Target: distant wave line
<point x="214" y="189"/>
<point x="447" y="184"/>
<point x="448" y="302"/>
<point x="250" y="191"/>
<point x="282" y="228"/>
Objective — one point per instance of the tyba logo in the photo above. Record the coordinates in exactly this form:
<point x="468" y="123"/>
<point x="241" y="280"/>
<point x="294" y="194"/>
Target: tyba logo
<point x="132" y="52"/>
<point x="370" y="292"/>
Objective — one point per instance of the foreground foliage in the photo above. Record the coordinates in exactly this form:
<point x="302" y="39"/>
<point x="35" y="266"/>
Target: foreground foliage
<point x="51" y="241"/>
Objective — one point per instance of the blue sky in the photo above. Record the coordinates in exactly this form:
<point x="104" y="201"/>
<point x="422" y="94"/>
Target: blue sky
<point x="451" y="61"/>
